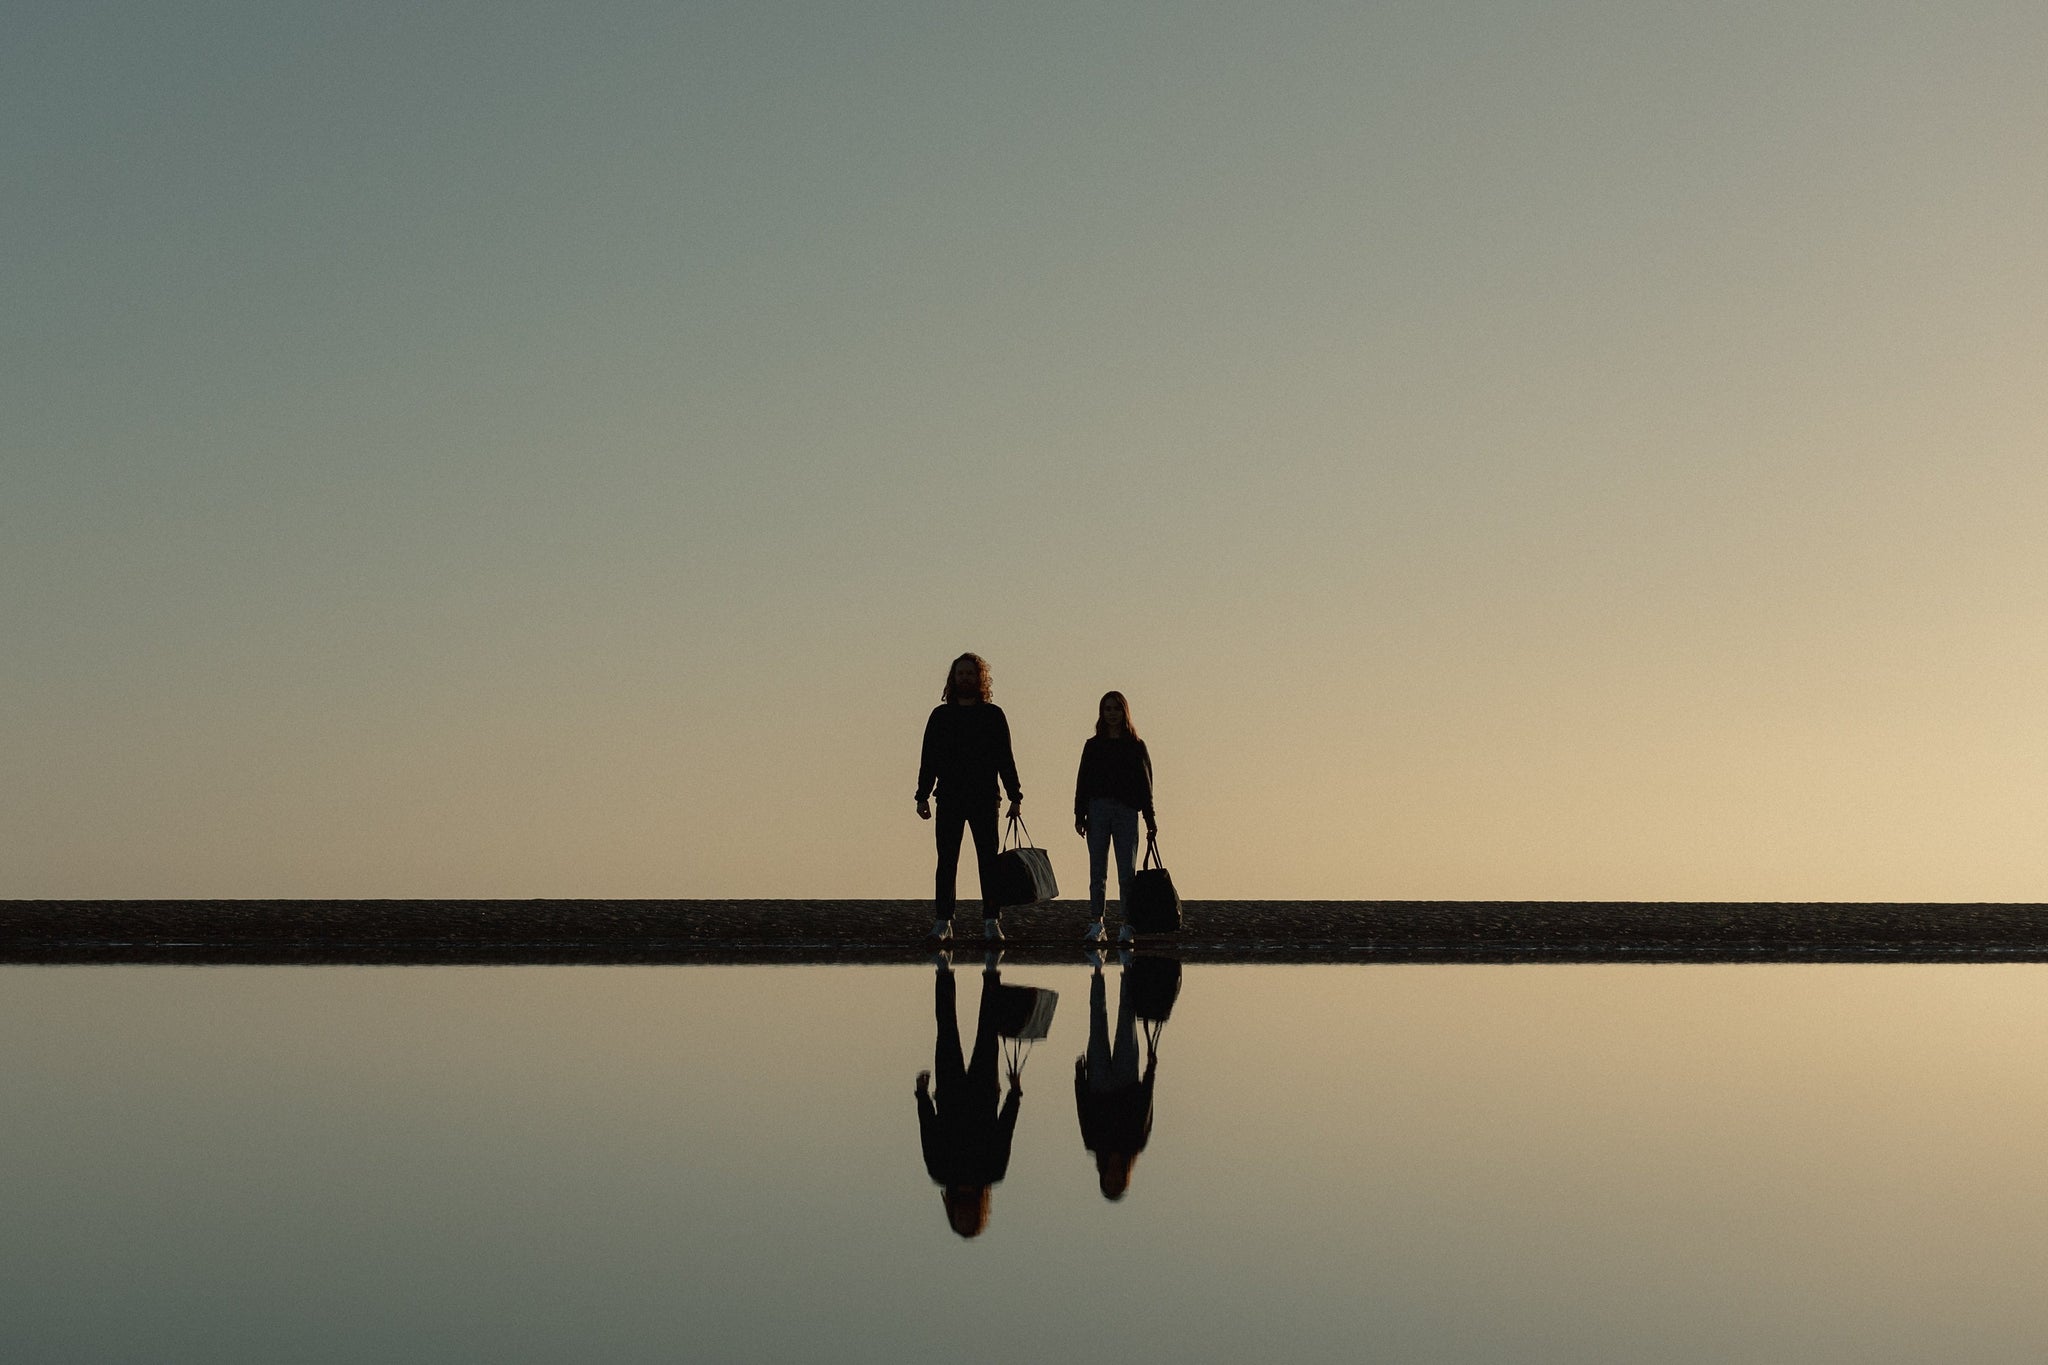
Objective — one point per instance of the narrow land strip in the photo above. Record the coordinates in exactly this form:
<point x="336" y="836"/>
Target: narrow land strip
<point x="647" y="931"/>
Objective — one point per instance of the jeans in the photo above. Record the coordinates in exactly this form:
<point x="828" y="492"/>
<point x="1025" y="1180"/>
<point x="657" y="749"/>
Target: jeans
<point x="1111" y="1068"/>
<point x="949" y="819"/>
<point x="1107" y="819"/>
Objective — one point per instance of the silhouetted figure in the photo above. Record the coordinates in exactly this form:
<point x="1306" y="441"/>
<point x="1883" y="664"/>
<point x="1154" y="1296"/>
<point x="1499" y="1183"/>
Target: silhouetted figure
<point x="1113" y="1100"/>
<point x="964" y="1131"/>
<point x="1112" y="789"/>
<point x="966" y="754"/>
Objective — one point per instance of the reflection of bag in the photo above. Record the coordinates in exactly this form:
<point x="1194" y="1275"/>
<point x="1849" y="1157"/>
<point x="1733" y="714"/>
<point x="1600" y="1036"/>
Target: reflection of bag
<point x="1152" y="984"/>
<point x="1152" y="905"/>
<point x="1023" y="873"/>
<point x="1023" y="1012"/>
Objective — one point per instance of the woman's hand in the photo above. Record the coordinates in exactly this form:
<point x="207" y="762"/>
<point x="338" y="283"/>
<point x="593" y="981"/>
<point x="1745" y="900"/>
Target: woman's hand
<point x="1151" y="827"/>
<point x="1081" y="825"/>
<point x="924" y="810"/>
<point x="1016" y="807"/>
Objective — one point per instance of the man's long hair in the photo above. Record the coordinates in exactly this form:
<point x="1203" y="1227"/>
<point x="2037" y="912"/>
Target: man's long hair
<point x="983" y="682"/>
<point x="966" y="1208"/>
<point x="1102" y="730"/>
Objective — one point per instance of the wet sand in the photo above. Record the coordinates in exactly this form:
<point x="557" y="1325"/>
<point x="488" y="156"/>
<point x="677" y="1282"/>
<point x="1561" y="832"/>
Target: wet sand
<point x="879" y="931"/>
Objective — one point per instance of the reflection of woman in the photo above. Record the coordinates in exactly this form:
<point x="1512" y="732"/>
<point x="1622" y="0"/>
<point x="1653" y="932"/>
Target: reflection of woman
<point x="1112" y="789"/>
<point x="966" y="753"/>
<point x="1115" y="1103"/>
<point x="966" y="1135"/>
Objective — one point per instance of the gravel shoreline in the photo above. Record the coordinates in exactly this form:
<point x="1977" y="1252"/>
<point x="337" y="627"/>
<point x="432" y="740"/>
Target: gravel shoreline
<point x="624" y="931"/>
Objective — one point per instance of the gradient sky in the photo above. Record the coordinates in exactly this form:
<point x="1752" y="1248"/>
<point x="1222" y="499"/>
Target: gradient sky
<point x="1503" y="450"/>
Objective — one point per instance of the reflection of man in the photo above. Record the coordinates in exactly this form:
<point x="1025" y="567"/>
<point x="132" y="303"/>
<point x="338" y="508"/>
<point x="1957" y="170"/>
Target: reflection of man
<point x="966" y="1135"/>
<point x="1115" y="1104"/>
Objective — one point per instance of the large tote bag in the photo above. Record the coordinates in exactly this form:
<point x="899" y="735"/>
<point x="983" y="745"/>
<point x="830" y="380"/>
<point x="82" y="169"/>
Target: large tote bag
<point x="1023" y="1012"/>
<point x="1023" y="873"/>
<point x="1154" y="905"/>
<point x="1022" y="1015"/>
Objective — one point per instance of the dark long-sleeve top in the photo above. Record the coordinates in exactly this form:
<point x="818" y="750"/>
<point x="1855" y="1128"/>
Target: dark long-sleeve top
<point x="1119" y="769"/>
<point x="967" y="1142"/>
<point x="1115" y="1120"/>
<point x="966" y="752"/>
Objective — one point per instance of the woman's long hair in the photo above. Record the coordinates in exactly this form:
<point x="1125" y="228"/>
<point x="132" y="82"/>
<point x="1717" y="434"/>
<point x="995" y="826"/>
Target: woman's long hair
<point x="1102" y="730"/>
<point x="982" y="679"/>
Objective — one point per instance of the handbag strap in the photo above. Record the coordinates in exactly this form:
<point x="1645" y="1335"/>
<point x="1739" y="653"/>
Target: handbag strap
<point x="1016" y="1052"/>
<point x="1152" y="852"/>
<point x="1016" y="833"/>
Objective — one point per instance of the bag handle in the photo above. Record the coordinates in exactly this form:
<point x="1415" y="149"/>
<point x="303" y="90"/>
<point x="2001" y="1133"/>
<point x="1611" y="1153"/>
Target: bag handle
<point x="1011" y="828"/>
<point x="1016" y="1052"/>
<point x="1152" y="853"/>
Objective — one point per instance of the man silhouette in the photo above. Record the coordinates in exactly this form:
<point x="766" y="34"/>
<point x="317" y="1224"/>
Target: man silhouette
<point x="964" y="1131"/>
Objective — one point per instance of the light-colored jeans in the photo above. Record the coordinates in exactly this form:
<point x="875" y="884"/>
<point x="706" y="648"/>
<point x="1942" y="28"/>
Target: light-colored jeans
<point x="1108" y="818"/>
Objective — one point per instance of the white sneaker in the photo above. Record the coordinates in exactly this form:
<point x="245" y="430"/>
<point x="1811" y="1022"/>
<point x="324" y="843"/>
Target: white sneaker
<point x="1094" y="958"/>
<point x="1093" y="933"/>
<point x="1126" y="935"/>
<point x="943" y="959"/>
<point x="992" y="930"/>
<point x="942" y="930"/>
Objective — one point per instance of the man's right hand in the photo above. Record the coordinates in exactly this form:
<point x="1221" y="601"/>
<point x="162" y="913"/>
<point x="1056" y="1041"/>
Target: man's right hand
<point x="924" y="810"/>
<point x="1081" y="825"/>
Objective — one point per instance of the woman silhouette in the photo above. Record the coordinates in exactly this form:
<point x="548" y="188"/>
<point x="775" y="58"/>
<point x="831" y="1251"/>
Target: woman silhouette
<point x="1112" y="789"/>
<point x="1113" y="1100"/>
<point x="966" y="753"/>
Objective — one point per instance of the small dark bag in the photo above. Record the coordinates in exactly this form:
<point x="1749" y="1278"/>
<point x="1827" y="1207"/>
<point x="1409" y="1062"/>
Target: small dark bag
<point x="1152" y="984"/>
<point x="1023" y="873"/>
<point x="1154" y="905"/>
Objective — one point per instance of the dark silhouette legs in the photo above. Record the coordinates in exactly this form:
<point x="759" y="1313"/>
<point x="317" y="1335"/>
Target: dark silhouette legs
<point x="953" y="1077"/>
<point x="952" y="817"/>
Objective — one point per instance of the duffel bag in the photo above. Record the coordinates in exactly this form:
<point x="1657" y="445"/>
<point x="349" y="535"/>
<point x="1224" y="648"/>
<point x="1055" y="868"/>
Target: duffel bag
<point x="1152" y="984"/>
<point x="1154" y="906"/>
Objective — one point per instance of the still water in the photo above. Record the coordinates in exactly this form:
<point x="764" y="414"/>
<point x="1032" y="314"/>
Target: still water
<point x="1398" y="1163"/>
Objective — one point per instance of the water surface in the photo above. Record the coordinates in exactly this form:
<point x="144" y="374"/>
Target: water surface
<point x="1441" y="1163"/>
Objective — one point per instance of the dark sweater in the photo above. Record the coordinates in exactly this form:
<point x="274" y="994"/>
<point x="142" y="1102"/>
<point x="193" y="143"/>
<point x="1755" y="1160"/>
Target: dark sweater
<point x="1118" y="769"/>
<point x="966" y="752"/>
<point x="1117" y="1121"/>
<point x="967" y="1140"/>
